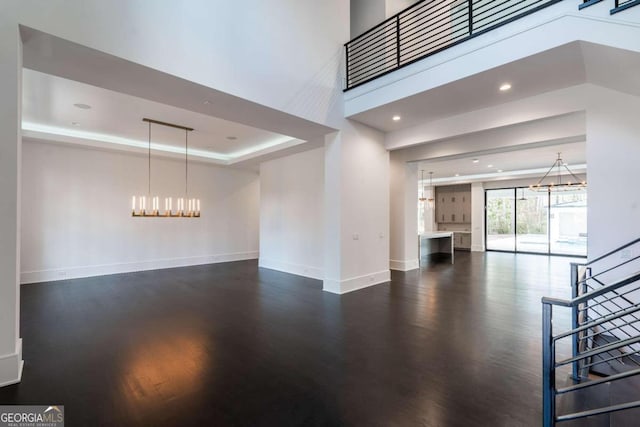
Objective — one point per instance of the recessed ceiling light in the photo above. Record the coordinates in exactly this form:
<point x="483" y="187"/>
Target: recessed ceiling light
<point x="499" y="170"/>
<point x="457" y="174"/>
<point x="82" y="106"/>
<point x="396" y="118"/>
<point x="489" y="166"/>
<point x="505" y="87"/>
<point x="75" y="124"/>
<point x="475" y="160"/>
<point x="232" y="138"/>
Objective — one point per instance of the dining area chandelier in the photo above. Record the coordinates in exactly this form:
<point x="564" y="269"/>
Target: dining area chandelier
<point x="148" y="206"/>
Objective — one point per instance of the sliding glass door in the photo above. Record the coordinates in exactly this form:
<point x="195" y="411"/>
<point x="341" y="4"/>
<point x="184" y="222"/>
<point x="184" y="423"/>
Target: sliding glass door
<point x="500" y="219"/>
<point x="522" y="220"/>
<point x="532" y="219"/>
<point x="568" y="220"/>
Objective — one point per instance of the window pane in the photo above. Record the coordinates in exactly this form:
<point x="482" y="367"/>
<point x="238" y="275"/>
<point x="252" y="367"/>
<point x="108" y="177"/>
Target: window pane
<point x="568" y="223"/>
<point x="500" y="220"/>
<point x="531" y="221"/>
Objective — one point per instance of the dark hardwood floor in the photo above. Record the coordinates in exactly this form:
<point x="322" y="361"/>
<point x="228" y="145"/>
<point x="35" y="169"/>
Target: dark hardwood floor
<point x="231" y="344"/>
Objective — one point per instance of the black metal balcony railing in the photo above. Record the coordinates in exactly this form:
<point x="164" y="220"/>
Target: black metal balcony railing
<point x="425" y="28"/>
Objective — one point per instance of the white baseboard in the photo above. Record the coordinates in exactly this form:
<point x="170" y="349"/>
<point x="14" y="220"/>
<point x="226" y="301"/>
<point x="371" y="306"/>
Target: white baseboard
<point x="287" y="267"/>
<point x="408" y="265"/>
<point x="11" y="366"/>
<point x="129" y="267"/>
<point x="477" y="248"/>
<point x="355" y="283"/>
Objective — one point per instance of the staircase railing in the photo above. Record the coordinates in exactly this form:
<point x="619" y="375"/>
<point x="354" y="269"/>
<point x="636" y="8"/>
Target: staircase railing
<point x="605" y="329"/>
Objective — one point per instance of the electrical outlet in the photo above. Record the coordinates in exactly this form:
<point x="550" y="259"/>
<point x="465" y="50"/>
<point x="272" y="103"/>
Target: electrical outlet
<point x="356" y="237"/>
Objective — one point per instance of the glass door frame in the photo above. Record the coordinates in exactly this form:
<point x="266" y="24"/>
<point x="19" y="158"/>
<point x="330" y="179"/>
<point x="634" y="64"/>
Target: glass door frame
<point x="515" y="226"/>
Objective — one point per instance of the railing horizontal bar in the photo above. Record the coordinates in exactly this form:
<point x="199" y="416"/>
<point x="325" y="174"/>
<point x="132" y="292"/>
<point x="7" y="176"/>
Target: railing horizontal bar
<point x="378" y="40"/>
<point x="605" y="330"/>
<point x="494" y="11"/>
<point x="388" y="53"/>
<point x="425" y="35"/>
<point x="372" y="36"/>
<point x="613" y="298"/>
<point x="366" y="73"/>
<point x="413" y="18"/>
<point x="417" y="52"/>
<point x="430" y="19"/>
<point x="591" y="295"/>
<point x="586" y="279"/>
<point x="419" y="33"/>
<point x="606" y="319"/>
<point x="556" y="301"/>
<point x="378" y="69"/>
<point x="477" y="9"/>
<point x="429" y="43"/>
<point x="507" y="16"/>
<point x="386" y="21"/>
<point x="601" y="349"/>
<point x="613" y="357"/>
<point x="598" y="381"/>
<point x="388" y="49"/>
<point x="599" y="411"/>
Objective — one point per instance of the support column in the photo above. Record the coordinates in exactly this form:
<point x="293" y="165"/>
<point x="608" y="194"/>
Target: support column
<point x="477" y="217"/>
<point x="404" y="214"/>
<point x="612" y="155"/>
<point x="10" y="163"/>
<point x="356" y="248"/>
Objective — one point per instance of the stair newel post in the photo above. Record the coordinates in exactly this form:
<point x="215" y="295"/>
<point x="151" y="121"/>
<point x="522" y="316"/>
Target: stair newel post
<point x="548" y="372"/>
<point x="575" y="322"/>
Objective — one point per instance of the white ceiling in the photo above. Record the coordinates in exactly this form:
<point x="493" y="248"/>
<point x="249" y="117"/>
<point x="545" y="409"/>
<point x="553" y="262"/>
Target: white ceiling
<point x="122" y="93"/>
<point x="567" y="65"/>
<point x="514" y="164"/>
<point x="48" y="105"/>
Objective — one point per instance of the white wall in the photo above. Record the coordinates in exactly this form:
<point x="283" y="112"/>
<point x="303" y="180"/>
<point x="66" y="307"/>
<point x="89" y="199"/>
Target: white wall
<point x="404" y="214"/>
<point x="10" y="152"/>
<point x="394" y="6"/>
<point x="76" y="213"/>
<point x="613" y="151"/>
<point x="365" y="14"/>
<point x="291" y="214"/>
<point x="279" y="53"/>
<point x="356" y="209"/>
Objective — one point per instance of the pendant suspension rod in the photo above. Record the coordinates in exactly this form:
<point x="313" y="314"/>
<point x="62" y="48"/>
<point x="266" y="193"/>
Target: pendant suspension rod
<point x="186" y="163"/>
<point x="149" y="169"/>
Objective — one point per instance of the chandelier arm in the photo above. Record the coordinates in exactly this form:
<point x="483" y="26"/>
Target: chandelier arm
<point x="546" y="174"/>
<point x="573" y="175"/>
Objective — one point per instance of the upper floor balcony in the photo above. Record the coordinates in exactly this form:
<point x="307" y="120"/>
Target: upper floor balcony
<point x="432" y="26"/>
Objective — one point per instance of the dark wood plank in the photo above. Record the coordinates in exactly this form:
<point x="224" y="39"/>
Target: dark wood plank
<point x="232" y="344"/>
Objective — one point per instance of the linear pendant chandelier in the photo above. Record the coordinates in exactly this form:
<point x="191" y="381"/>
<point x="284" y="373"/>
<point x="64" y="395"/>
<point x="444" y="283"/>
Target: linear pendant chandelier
<point x="149" y="206"/>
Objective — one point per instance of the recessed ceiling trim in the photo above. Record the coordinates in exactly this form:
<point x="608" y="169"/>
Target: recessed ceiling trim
<point x="40" y="131"/>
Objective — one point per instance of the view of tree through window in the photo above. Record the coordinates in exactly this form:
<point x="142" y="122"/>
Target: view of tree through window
<point x="519" y="219"/>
